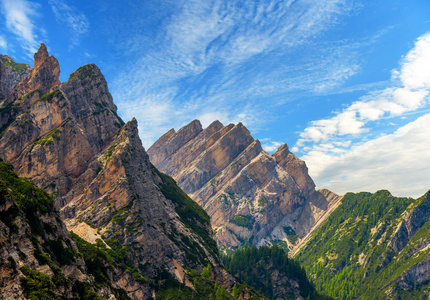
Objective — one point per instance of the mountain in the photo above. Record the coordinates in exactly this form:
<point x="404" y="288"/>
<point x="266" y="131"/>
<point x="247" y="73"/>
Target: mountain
<point x="68" y="139"/>
<point x="373" y="246"/>
<point x="248" y="193"/>
<point x="269" y="270"/>
<point x="38" y="257"/>
<point x="11" y="73"/>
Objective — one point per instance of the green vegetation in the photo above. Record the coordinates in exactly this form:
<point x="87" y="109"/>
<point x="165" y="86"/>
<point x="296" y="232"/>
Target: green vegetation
<point x="17" y="67"/>
<point x="224" y="198"/>
<point x="31" y="203"/>
<point x="28" y="199"/>
<point x="350" y="257"/>
<point x="47" y="139"/>
<point x="7" y="112"/>
<point x="49" y="96"/>
<point x="167" y="287"/>
<point x="98" y="262"/>
<point x="37" y="285"/>
<point x="213" y="179"/>
<point x="243" y="221"/>
<point x="262" y="202"/>
<point x="191" y="214"/>
<point x="291" y="234"/>
<point x="84" y="71"/>
<point x="255" y="267"/>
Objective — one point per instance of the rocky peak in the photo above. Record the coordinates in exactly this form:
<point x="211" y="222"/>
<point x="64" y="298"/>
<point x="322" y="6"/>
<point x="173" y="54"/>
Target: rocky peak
<point x="175" y="140"/>
<point x="44" y="76"/>
<point x="214" y="126"/>
<point x="68" y="139"/>
<point x="46" y="71"/>
<point x="248" y="193"/>
<point x="294" y="166"/>
<point x="40" y="56"/>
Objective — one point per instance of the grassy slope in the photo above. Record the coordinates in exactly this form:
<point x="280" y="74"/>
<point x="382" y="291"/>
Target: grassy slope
<point x="349" y="256"/>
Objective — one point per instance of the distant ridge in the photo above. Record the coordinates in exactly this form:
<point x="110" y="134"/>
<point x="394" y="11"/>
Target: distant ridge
<point x="249" y="194"/>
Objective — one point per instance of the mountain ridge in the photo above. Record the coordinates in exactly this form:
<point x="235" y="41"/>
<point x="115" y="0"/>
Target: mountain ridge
<point x="373" y="245"/>
<point x="228" y="173"/>
<point x="68" y="139"/>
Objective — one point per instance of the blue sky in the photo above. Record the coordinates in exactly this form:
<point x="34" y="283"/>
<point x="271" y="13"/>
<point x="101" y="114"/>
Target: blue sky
<point x="345" y="83"/>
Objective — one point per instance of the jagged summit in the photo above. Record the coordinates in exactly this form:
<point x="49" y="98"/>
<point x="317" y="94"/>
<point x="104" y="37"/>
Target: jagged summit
<point x="248" y="193"/>
<point x="68" y="139"/>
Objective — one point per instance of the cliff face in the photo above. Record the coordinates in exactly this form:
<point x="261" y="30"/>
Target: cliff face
<point x="37" y="255"/>
<point x="11" y="73"/>
<point x="67" y="138"/>
<point x="248" y="193"/>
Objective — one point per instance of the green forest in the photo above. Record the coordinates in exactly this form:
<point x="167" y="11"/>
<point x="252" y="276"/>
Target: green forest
<point x="270" y="271"/>
<point x="350" y="256"/>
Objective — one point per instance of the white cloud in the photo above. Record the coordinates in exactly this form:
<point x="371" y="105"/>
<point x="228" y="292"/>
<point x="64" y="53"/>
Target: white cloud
<point x="207" y="53"/>
<point x="271" y="146"/>
<point x="19" y="15"/>
<point x="393" y="101"/>
<point x="3" y="43"/>
<point x="414" y="73"/>
<point x="399" y="162"/>
<point x="76" y="21"/>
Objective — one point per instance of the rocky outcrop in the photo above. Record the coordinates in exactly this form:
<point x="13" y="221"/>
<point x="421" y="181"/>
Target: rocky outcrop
<point x="412" y="221"/>
<point x="11" y="73"/>
<point x="417" y="275"/>
<point x="67" y="138"/>
<point x="35" y="242"/>
<point x="249" y="194"/>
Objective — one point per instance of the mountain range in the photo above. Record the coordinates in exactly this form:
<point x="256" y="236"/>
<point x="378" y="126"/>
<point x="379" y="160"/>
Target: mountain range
<point x="68" y="139"/>
<point x="248" y="193"/>
<point x="87" y="213"/>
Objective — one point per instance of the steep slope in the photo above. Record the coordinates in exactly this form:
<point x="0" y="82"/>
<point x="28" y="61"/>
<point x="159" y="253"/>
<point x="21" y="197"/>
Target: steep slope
<point x="373" y="246"/>
<point x="67" y="138"/>
<point x="272" y="272"/>
<point x="248" y="193"/>
<point x="37" y="255"/>
<point x="11" y="73"/>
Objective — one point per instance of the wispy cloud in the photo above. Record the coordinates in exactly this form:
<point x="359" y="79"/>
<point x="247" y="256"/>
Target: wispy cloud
<point x="221" y="59"/>
<point x="3" y="43"/>
<point x="19" y="16"/>
<point x="270" y="146"/>
<point x="410" y="94"/>
<point x="76" y="21"/>
<point x="399" y="162"/>
<point x="340" y="159"/>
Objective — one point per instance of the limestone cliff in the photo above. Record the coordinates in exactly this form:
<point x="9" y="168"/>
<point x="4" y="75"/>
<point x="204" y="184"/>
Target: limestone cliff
<point x="68" y="139"/>
<point x="249" y="194"/>
<point x="38" y="257"/>
<point x="11" y="73"/>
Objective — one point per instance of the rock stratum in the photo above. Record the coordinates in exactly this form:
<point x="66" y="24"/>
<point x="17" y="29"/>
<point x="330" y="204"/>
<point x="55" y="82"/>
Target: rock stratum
<point x="249" y="194"/>
<point x="68" y="139"/>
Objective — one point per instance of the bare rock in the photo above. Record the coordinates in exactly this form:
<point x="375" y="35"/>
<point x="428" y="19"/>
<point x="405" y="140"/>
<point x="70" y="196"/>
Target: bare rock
<point x="11" y="73"/>
<point x="68" y="139"/>
<point x="248" y="193"/>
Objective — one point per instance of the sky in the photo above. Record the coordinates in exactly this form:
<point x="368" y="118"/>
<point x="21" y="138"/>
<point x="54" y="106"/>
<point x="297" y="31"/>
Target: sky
<point x="345" y="83"/>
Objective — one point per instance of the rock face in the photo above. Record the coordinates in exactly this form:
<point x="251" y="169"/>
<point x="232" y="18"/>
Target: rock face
<point x="35" y="242"/>
<point x="67" y="138"/>
<point x="411" y="223"/>
<point x="11" y="73"/>
<point x="248" y="193"/>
